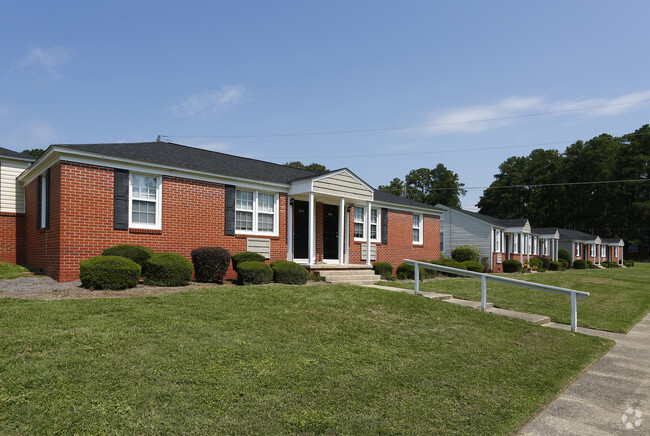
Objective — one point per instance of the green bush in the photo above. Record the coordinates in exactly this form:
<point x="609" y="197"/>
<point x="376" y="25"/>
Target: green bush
<point x="470" y="265"/>
<point x="546" y="261"/>
<point x="589" y="263"/>
<point x="608" y="264"/>
<point x="251" y="272"/>
<point x="245" y="256"/>
<point x="465" y="252"/>
<point x="628" y="263"/>
<point x="168" y="269"/>
<point x="579" y="264"/>
<point x="564" y="254"/>
<point x="109" y="272"/>
<point x="536" y="262"/>
<point x="210" y="264"/>
<point x="384" y="269"/>
<point x="406" y="271"/>
<point x="289" y="273"/>
<point x="541" y="269"/>
<point x="449" y="263"/>
<point x="565" y="264"/>
<point x="555" y="266"/>
<point x="512" y="265"/>
<point x="136" y="253"/>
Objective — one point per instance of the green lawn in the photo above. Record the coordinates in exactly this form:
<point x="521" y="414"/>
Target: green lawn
<point x="333" y="359"/>
<point x="11" y="271"/>
<point x="620" y="297"/>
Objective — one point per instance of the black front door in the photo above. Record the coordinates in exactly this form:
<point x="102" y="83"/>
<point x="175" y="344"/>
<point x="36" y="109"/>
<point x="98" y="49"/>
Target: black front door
<point x="330" y="232"/>
<point x="300" y="229"/>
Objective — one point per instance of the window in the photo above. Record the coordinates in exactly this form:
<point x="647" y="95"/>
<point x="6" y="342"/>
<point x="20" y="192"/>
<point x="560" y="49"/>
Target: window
<point x="255" y="212"/>
<point x="442" y="241"/>
<point x="417" y="229"/>
<point x="577" y="250"/>
<point x="603" y="251"/>
<point x="592" y="250"/>
<point x="630" y="249"/>
<point x="43" y="200"/>
<point x="498" y="241"/>
<point x="145" y="201"/>
<point x="616" y="250"/>
<point x="360" y="223"/>
<point x="515" y="244"/>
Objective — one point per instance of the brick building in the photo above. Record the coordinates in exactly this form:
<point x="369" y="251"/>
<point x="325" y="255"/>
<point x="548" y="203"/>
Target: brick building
<point x="80" y="199"/>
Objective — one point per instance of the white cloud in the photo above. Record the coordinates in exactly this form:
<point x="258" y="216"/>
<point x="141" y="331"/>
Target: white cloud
<point x="48" y="59"/>
<point x="203" y="104"/>
<point x="473" y="119"/>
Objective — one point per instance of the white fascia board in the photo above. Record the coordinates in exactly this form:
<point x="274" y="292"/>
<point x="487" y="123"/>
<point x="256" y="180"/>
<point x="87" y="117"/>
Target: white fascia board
<point x="56" y="154"/>
<point x="405" y="208"/>
<point x="515" y="230"/>
<point x="476" y="219"/>
<point x="26" y="160"/>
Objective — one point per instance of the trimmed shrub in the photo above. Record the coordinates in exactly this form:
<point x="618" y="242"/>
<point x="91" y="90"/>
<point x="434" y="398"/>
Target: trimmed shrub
<point x="541" y="269"/>
<point x="555" y="266"/>
<point x="289" y="273"/>
<point x="168" y="269"/>
<point x="210" y="264"/>
<point x="473" y="266"/>
<point x="109" y="272"/>
<point x="608" y="264"/>
<point x="251" y="272"/>
<point x="406" y="271"/>
<point x="384" y="269"/>
<point x="546" y="261"/>
<point x="485" y="261"/>
<point x="628" y="263"/>
<point x="565" y="264"/>
<point x="564" y="254"/>
<point x="465" y="252"/>
<point x="580" y="264"/>
<point x="589" y="263"/>
<point x="512" y="265"/>
<point x="449" y="263"/>
<point x="536" y="262"/>
<point x="136" y="253"/>
<point x="245" y="256"/>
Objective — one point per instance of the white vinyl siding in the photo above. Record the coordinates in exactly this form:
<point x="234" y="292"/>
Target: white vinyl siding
<point x="12" y="194"/>
<point x="145" y="201"/>
<point x="458" y="229"/>
<point x="256" y="212"/>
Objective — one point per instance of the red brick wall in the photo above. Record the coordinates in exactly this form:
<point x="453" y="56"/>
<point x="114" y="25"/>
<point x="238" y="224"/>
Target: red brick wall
<point x="400" y="240"/>
<point x="497" y="267"/>
<point x="192" y="216"/>
<point x="12" y="237"/>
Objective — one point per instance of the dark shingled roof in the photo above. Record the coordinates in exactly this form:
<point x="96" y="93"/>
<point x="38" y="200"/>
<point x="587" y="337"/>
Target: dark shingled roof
<point x="575" y="235"/>
<point x="610" y="240"/>
<point x="11" y="153"/>
<point x="167" y="153"/>
<point x="513" y="222"/>
<point x="544" y="230"/>
<point x="390" y="198"/>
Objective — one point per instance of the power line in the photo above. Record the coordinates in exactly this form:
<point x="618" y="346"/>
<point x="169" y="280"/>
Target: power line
<point x="416" y="126"/>
<point x="541" y="185"/>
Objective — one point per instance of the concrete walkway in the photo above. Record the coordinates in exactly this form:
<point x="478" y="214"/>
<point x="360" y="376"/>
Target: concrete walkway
<point x="611" y="397"/>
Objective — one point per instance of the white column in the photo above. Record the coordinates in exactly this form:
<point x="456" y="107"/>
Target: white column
<point x="573" y="252"/>
<point x="341" y="231"/>
<point x="492" y="245"/>
<point x="529" y="244"/>
<point x="289" y="230"/>
<point x="368" y="233"/>
<point x="311" y="243"/>
<point x="620" y="250"/>
<point x="347" y="236"/>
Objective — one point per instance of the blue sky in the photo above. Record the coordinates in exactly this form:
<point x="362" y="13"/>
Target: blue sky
<point x="244" y="77"/>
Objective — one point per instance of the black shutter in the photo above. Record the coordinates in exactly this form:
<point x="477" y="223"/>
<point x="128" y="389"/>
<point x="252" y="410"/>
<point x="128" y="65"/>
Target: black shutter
<point x="384" y="225"/>
<point x="121" y="200"/>
<point x="39" y="197"/>
<point x="229" y="228"/>
<point x="47" y="199"/>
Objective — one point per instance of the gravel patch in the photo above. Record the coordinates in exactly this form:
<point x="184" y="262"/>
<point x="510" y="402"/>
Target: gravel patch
<point x="45" y="288"/>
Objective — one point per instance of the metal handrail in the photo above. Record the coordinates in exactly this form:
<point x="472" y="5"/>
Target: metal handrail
<point x="485" y="277"/>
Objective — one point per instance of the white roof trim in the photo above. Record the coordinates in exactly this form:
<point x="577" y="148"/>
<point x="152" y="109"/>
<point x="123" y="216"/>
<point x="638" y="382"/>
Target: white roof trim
<point x="334" y="173"/>
<point x="406" y="208"/>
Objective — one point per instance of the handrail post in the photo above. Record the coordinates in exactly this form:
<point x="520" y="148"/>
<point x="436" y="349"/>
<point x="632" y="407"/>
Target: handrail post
<point x="417" y="279"/>
<point x="574" y="312"/>
<point x="483" y="293"/>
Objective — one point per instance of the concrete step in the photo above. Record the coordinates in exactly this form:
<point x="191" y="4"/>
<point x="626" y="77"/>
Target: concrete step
<point x="530" y="317"/>
<point x="355" y="282"/>
<point x="436" y="295"/>
<point x="350" y="273"/>
<point x="468" y="303"/>
<point x="340" y="277"/>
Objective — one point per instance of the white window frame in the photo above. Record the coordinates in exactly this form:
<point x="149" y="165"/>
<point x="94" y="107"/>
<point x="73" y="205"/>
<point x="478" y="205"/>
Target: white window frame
<point x="158" y="201"/>
<point x="498" y="240"/>
<point x="577" y="249"/>
<point x="515" y="243"/>
<point x="603" y="251"/>
<point x="616" y="251"/>
<point x="256" y="212"/>
<point x="592" y="250"/>
<point x="367" y="217"/>
<point x="420" y="228"/>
